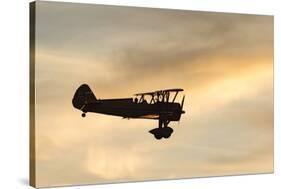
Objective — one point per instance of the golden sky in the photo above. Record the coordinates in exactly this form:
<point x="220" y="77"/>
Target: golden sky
<point x="224" y="63"/>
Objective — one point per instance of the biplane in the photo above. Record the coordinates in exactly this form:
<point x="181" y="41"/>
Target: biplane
<point x="159" y="105"/>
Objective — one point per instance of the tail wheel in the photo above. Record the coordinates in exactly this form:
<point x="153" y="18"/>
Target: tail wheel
<point x="83" y="115"/>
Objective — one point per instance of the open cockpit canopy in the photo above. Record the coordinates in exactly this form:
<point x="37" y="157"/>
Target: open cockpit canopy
<point x="158" y="96"/>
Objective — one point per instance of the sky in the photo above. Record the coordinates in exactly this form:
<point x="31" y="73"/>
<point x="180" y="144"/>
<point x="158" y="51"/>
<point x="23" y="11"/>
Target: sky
<point x="223" y="61"/>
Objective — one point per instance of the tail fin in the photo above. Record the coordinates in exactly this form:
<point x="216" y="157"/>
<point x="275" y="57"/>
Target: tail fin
<point x="83" y="96"/>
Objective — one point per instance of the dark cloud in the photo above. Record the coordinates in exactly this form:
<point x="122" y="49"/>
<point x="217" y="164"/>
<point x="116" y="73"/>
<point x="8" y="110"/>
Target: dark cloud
<point x="107" y="27"/>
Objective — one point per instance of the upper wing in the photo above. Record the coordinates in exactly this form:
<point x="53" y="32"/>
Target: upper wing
<point x="147" y="93"/>
<point x="160" y="91"/>
<point x="173" y="90"/>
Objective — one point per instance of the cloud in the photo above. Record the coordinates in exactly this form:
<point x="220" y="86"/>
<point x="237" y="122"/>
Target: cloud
<point x="224" y="62"/>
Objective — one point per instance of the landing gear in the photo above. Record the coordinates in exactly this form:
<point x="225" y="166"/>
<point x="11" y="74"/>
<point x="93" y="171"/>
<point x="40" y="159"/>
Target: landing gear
<point x="162" y="132"/>
<point x="166" y="132"/>
<point x="83" y="114"/>
<point x="158" y="136"/>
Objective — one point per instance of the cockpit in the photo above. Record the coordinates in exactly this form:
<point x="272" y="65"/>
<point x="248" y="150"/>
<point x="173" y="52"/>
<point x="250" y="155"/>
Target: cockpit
<point x="161" y="96"/>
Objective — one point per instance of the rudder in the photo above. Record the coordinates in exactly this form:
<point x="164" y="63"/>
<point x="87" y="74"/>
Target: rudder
<point x="83" y="96"/>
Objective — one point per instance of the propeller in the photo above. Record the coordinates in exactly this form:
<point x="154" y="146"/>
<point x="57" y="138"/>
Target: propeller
<point x="182" y="111"/>
<point x="182" y="105"/>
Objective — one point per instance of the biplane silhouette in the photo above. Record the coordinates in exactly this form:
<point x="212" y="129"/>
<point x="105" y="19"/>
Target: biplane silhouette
<point x="158" y="105"/>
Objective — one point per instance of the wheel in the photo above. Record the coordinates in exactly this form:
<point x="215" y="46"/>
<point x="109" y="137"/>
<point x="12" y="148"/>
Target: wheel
<point x="166" y="132"/>
<point x="83" y="114"/>
<point x="158" y="136"/>
<point x="166" y="135"/>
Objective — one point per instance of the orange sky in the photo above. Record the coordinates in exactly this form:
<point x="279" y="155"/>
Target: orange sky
<point x="224" y="62"/>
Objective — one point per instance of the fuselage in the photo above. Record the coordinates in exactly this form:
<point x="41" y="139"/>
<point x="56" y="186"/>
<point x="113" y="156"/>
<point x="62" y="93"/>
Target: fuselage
<point x="127" y="108"/>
